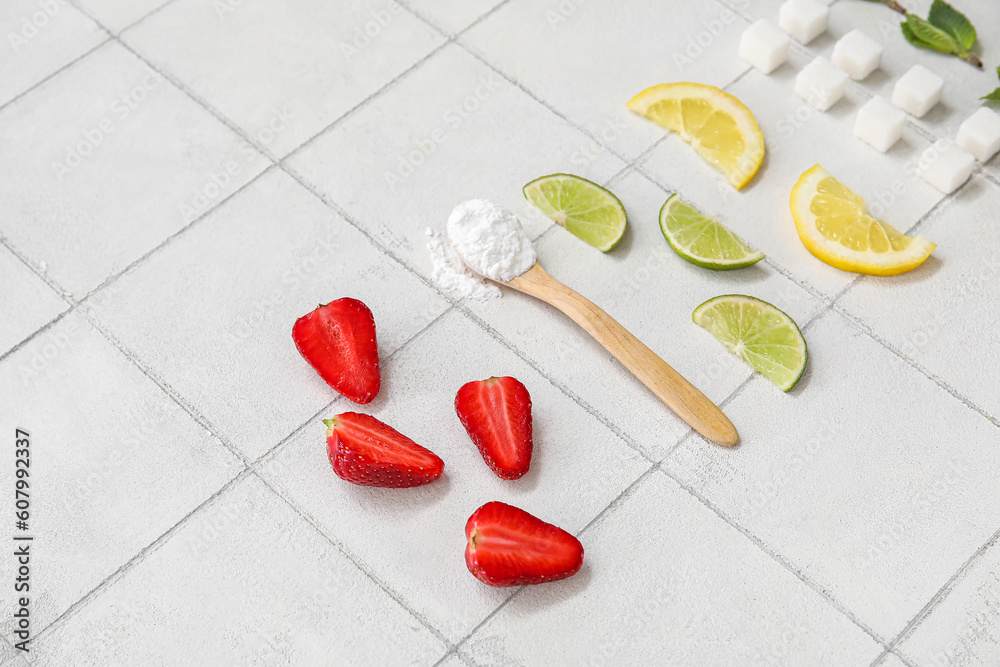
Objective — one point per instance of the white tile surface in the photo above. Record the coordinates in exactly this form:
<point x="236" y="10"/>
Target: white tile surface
<point x="283" y="71"/>
<point x="798" y="137"/>
<point x="412" y="163"/>
<point x="25" y="300"/>
<point x="267" y="257"/>
<point x="40" y="37"/>
<point x="246" y="581"/>
<point x="588" y="70"/>
<point x="117" y="15"/>
<point x="685" y="597"/>
<point x="891" y="660"/>
<point x="151" y="156"/>
<point x="652" y="291"/>
<point x="936" y="318"/>
<point x="878" y="496"/>
<point x="963" y="628"/>
<point x="414" y="540"/>
<point x="452" y="16"/>
<point x="114" y="462"/>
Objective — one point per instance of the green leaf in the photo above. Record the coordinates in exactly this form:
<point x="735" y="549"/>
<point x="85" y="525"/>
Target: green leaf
<point x="948" y="19"/>
<point x="921" y="33"/>
<point x="992" y="97"/>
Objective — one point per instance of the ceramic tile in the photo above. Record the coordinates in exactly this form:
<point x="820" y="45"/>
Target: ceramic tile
<point x="587" y="59"/>
<point x="414" y="539"/>
<point x="41" y="36"/>
<point x="26" y="301"/>
<point x="283" y="71"/>
<point x="935" y="316"/>
<point x="964" y="628"/>
<point x="868" y="477"/>
<point x="114" y="462"/>
<point x="267" y="257"/>
<point x="412" y="164"/>
<point x="113" y="160"/>
<point x="689" y="594"/>
<point x="119" y="14"/>
<point x="274" y="590"/>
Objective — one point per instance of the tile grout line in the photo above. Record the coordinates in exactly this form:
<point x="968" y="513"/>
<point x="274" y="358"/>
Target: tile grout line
<point x="866" y="329"/>
<point x="353" y="559"/>
<point x="59" y="71"/>
<point x="138" y="557"/>
<point x="253" y="467"/>
<point x="778" y="558"/>
<point x="378" y="245"/>
<point x="943" y="593"/>
<point x="615" y="503"/>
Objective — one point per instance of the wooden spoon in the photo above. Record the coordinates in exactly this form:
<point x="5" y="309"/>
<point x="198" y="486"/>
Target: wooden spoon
<point x="670" y="386"/>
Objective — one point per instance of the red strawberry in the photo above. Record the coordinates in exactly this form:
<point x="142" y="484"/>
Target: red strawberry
<point x="509" y="547"/>
<point x="365" y="451"/>
<point x="338" y="340"/>
<point x="497" y="415"/>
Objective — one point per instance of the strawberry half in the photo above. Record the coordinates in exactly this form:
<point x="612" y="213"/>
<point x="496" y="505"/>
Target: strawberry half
<point x="365" y="451"/>
<point x="497" y="415"/>
<point x="509" y="547"/>
<point x="338" y="340"/>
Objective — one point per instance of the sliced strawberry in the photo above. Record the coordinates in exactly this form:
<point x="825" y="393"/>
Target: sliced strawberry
<point x="338" y="340"/>
<point x="497" y="415"/>
<point x="365" y="451"/>
<point x="509" y="547"/>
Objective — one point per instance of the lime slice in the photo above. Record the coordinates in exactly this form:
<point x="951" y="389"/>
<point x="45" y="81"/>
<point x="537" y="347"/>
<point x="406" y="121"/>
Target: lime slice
<point x="586" y="209"/>
<point x="702" y="240"/>
<point x="762" y="335"/>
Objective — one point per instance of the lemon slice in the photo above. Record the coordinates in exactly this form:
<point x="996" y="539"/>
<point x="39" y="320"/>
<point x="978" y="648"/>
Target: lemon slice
<point x="760" y="334"/>
<point x="834" y="225"/>
<point x="715" y="123"/>
<point x="702" y="240"/>
<point x="585" y="209"/>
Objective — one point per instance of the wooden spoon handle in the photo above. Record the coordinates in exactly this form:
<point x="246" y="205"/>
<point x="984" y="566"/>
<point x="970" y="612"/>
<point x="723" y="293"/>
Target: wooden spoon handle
<point x="670" y="386"/>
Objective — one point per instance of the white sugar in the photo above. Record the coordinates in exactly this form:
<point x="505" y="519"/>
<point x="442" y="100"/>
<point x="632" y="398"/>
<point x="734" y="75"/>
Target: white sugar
<point x="857" y="54"/>
<point x="879" y="124"/>
<point x="820" y="83"/>
<point x="980" y="134"/>
<point x="945" y="166"/>
<point x="764" y="46"/>
<point x="490" y="239"/>
<point x="451" y="275"/>
<point x="917" y="91"/>
<point x="805" y="20"/>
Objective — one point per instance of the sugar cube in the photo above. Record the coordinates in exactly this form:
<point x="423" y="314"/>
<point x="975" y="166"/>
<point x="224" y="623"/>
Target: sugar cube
<point x="917" y="91"/>
<point x="764" y="46"/>
<point x="857" y="54"/>
<point x="980" y="134"/>
<point x="804" y="20"/>
<point x="820" y="83"/>
<point x="879" y="124"/>
<point x="945" y="166"/>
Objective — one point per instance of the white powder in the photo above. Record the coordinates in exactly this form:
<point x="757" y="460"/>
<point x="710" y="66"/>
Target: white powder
<point x="490" y="239"/>
<point x="451" y="275"/>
